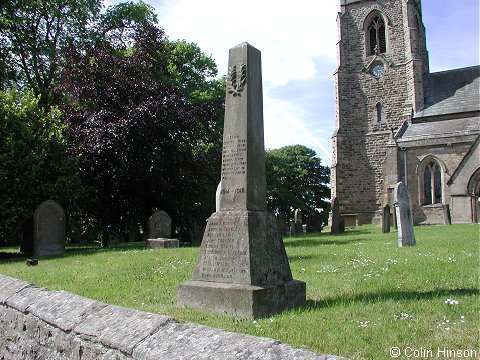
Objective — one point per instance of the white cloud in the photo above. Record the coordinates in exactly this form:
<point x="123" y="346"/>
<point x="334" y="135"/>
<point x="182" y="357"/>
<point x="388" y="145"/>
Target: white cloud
<point x="289" y="34"/>
<point x="285" y="125"/>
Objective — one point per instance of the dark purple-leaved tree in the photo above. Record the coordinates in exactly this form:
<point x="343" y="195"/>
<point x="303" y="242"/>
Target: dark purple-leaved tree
<point x="144" y="140"/>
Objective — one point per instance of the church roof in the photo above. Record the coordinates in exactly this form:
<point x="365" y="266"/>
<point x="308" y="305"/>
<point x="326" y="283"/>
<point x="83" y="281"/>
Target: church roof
<point x="434" y="132"/>
<point x="451" y="92"/>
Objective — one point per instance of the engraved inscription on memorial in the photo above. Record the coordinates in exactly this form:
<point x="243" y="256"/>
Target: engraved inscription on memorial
<point x="224" y="259"/>
<point x="234" y="160"/>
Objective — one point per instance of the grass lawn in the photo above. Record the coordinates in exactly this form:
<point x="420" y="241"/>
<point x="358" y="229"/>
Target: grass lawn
<point x="364" y="294"/>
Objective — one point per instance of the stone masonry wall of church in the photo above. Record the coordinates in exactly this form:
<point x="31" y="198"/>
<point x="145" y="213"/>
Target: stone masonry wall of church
<point x="360" y="141"/>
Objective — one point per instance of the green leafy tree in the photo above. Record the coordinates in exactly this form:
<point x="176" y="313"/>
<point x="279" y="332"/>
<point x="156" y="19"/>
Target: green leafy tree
<point x="296" y="179"/>
<point x="32" y="35"/>
<point x="34" y="166"/>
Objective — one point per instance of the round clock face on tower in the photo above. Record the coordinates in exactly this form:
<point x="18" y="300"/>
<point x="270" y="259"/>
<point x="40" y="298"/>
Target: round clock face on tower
<point x="378" y="70"/>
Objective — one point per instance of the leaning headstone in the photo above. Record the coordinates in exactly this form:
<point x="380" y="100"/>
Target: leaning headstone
<point x="314" y="222"/>
<point x="282" y="223"/>
<point x="336" y="218"/>
<point x="48" y="229"/>
<point x="386" y="219"/>
<point x="160" y="231"/>
<point x="447" y="219"/>
<point x="242" y="268"/>
<point x="403" y="205"/>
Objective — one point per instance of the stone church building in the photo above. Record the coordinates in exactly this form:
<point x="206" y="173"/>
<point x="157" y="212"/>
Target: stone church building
<point x="396" y="121"/>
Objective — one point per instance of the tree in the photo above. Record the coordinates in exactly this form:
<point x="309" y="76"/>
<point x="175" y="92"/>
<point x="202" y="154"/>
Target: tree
<point x="296" y="179"/>
<point x="143" y="141"/>
<point x="34" y="166"/>
<point x="32" y="35"/>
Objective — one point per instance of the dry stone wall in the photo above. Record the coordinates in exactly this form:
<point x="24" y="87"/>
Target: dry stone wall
<point x="38" y="323"/>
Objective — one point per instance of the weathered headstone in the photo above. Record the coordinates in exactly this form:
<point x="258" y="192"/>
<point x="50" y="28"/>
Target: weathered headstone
<point x="447" y="219"/>
<point x="298" y="216"/>
<point x="298" y="220"/>
<point x="314" y="222"/>
<point x="282" y="224"/>
<point x="160" y="231"/>
<point x="336" y="227"/>
<point x="159" y="225"/>
<point x="386" y="219"/>
<point x="403" y="207"/>
<point x="242" y="268"/>
<point x="48" y="229"/>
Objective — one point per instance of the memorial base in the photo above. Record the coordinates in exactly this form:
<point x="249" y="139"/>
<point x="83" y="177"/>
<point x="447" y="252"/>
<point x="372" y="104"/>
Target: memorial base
<point x="247" y="301"/>
<point x="162" y="243"/>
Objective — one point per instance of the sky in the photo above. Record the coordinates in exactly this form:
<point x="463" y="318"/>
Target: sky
<point x="297" y="40"/>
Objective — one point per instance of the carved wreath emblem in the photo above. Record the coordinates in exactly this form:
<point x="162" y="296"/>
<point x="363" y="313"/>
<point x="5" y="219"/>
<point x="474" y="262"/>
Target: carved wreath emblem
<point x="237" y="79"/>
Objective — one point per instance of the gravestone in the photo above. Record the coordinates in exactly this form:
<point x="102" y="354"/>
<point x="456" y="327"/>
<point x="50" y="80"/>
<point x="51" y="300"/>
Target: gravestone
<point x="297" y="226"/>
<point x="447" y="219"/>
<point x="403" y="207"/>
<point x="386" y="219"/>
<point x="314" y="222"/>
<point x="282" y="223"/>
<point x="298" y="216"/>
<point x="242" y="268"/>
<point x="48" y="229"/>
<point x="160" y="231"/>
<point x="337" y="226"/>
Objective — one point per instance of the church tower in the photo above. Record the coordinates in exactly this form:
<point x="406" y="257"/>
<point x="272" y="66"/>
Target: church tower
<point x="382" y="58"/>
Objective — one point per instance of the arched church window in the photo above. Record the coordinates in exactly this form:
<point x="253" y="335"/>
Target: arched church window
<point x="432" y="184"/>
<point x="376" y="36"/>
<point x="378" y="109"/>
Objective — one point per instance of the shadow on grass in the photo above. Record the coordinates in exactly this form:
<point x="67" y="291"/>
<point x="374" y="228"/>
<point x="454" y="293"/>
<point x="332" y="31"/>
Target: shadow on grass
<point x="390" y="295"/>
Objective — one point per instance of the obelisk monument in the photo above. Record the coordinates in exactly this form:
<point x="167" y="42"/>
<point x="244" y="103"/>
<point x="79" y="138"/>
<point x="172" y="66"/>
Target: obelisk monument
<point x="242" y="268"/>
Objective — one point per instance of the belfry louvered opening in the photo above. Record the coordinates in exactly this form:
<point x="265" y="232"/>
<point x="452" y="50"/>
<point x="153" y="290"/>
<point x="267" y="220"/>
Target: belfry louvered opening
<point x="377" y="37"/>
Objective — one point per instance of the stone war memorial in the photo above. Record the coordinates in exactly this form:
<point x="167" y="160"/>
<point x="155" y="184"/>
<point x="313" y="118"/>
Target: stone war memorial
<point x="242" y="268"/>
<point x="160" y="231"/>
<point x="403" y="208"/>
<point x="48" y="229"/>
